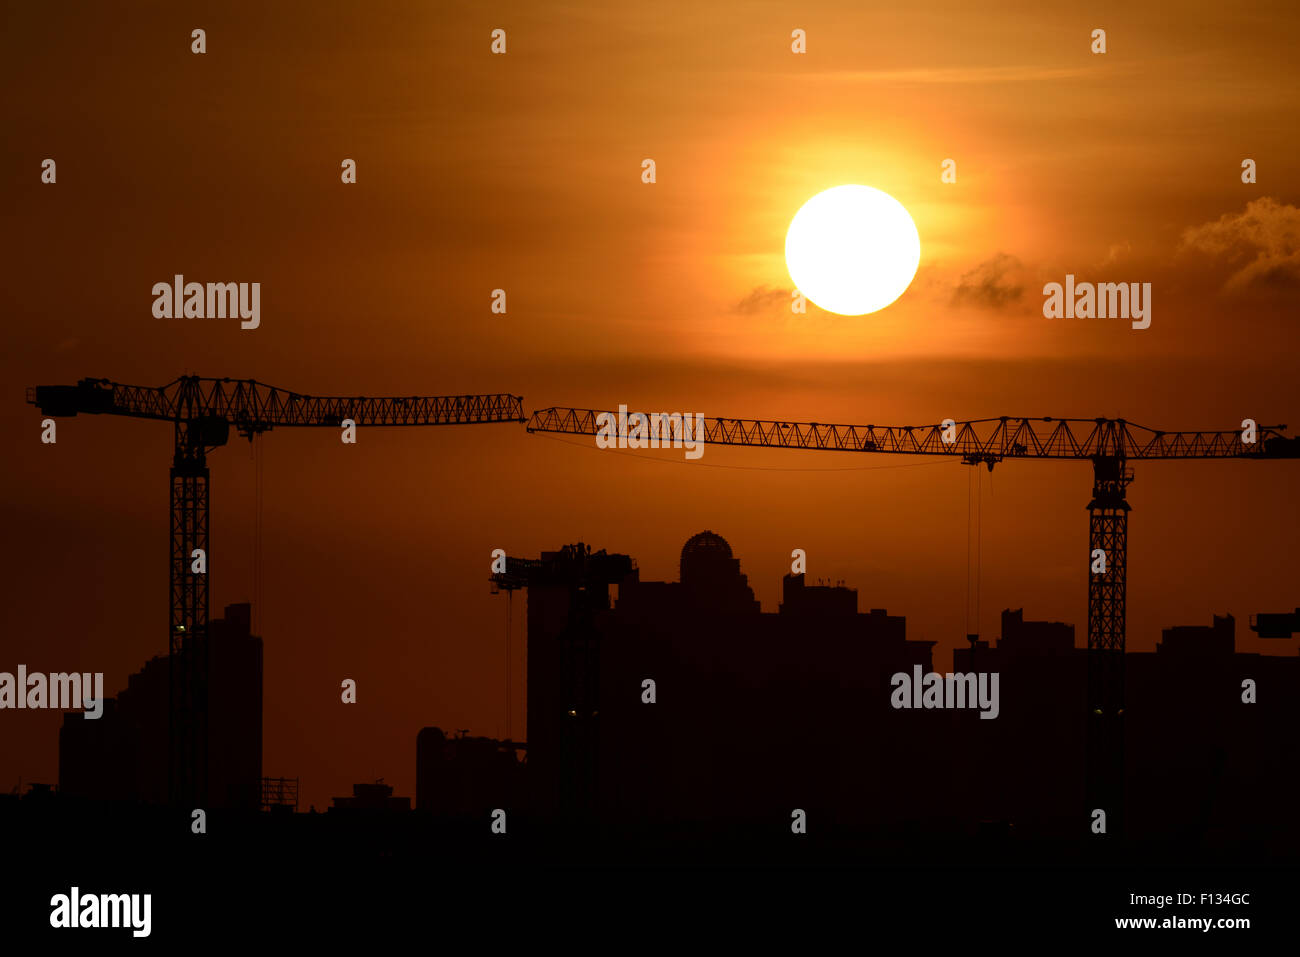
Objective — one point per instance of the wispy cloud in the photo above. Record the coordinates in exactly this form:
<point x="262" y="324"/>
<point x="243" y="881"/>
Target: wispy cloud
<point x="1117" y="252"/>
<point x="1261" y="243"/>
<point x="959" y="75"/>
<point x="759" y="299"/>
<point x="993" y="284"/>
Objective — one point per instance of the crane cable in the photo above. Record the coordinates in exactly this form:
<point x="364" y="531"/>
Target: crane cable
<point x="510" y="599"/>
<point x="979" y="543"/>
<point x="975" y="544"/>
<point x="259" y="463"/>
<point x="968" y="551"/>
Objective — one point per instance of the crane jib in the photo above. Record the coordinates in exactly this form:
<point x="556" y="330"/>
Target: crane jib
<point x="983" y="441"/>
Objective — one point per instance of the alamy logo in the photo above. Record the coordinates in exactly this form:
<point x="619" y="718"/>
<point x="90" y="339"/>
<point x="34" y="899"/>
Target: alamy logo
<point x="1107" y="300"/>
<point x="969" y="690"/>
<point x="179" y="299"/>
<point x="59" y="691"/>
<point x="658" y="430"/>
<point x="103" y="910"/>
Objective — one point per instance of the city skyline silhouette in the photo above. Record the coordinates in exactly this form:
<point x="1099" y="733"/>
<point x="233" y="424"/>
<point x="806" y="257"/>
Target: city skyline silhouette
<point x="755" y="709"/>
<point x="962" y="602"/>
<point x="404" y="776"/>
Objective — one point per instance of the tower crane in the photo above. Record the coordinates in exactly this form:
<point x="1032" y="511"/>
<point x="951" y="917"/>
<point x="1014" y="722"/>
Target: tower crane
<point x="202" y="412"/>
<point x="1109" y="444"/>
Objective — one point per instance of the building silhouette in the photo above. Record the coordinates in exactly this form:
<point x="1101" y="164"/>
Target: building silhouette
<point x="661" y="711"/>
<point x="1201" y="763"/>
<point x="1212" y="754"/>
<point x="374" y="797"/>
<point x="1026" y="769"/>
<point x="463" y="776"/>
<point x="123" y="755"/>
<point x="701" y="709"/>
<point x="751" y="710"/>
<point x="711" y="577"/>
<point x="1199" y="641"/>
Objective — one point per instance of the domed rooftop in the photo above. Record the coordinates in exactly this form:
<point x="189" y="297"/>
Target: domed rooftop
<point x="706" y="544"/>
<point x="712" y="576"/>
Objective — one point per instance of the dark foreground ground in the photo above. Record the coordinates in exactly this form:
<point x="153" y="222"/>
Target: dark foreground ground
<point x="379" y="878"/>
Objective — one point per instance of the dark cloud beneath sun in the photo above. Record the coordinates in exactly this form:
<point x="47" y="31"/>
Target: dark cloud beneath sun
<point x="994" y="284"/>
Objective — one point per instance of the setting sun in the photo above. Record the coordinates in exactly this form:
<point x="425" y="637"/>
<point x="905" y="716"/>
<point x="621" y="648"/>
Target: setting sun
<point x="852" y="250"/>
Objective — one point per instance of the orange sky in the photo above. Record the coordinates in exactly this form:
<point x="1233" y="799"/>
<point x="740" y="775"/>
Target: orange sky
<point x="523" y="172"/>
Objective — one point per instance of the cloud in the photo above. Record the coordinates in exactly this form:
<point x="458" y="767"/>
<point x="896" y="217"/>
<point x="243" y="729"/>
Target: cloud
<point x="963" y="76"/>
<point x="993" y="284"/>
<point x="1261" y="243"/>
<point x="761" y="298"/>
<point x="1116" y="252"/>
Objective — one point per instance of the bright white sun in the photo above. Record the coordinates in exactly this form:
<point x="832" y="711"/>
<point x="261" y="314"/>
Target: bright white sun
<point x="852" y="250"/>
